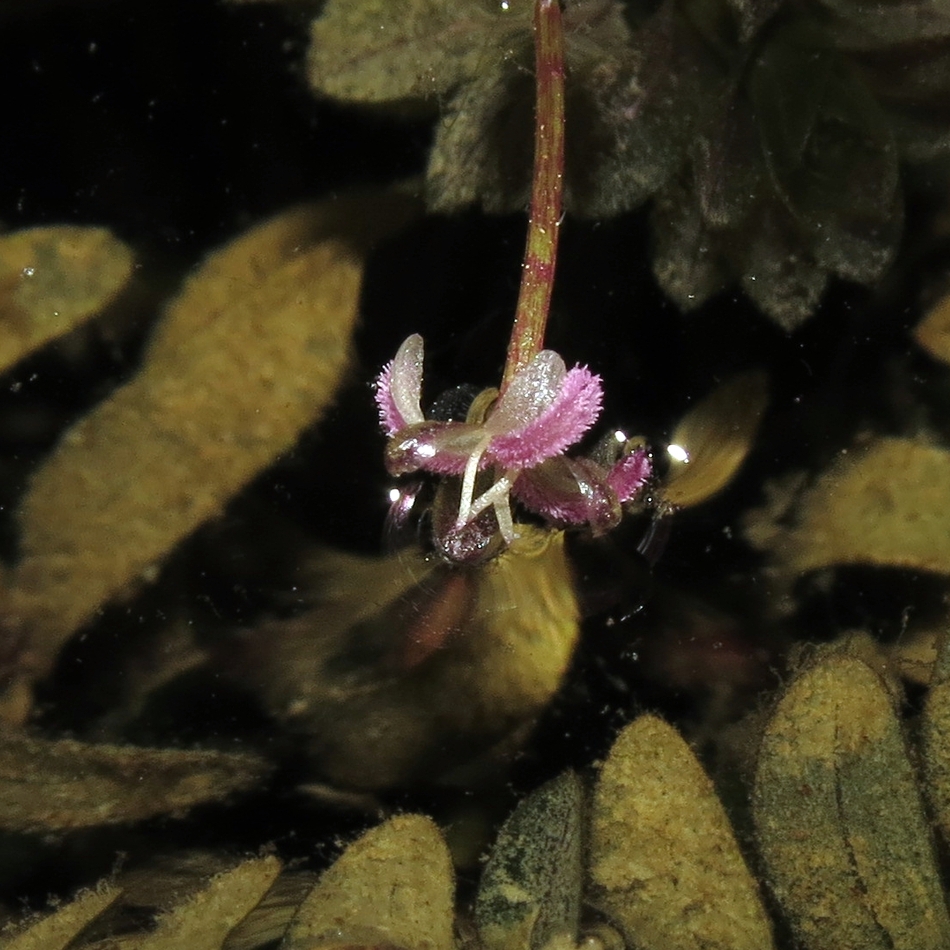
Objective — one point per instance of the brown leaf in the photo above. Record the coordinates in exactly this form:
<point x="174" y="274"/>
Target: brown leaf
<point x="60" y="785"/>
<point x="53" y="279"/>
<point x="249" y="355"/>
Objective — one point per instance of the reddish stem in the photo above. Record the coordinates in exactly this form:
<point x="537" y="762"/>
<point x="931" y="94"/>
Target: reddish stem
<point x="540" y="255"/>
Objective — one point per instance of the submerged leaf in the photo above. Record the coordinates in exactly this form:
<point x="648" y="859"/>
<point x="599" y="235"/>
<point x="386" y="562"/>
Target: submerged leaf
<point x="933" y="331"/>
<point x="59" y="785"/>
<point x="716" y="435"/>
<point x="665" y="864"/>
<point x="839" y="820"/>
<point x="409" y="668"/>
<point x="529" y="897"/>
<point x="935" y="736"/>
<point x="250" y="354"/>
<point x="376" y="51"/>
<point x="56" y="930"/>
<point x="883" y="504"/>
<point x="392" y="887"/>
<point x="206" y="919"/>
<point x="53" y="279"/>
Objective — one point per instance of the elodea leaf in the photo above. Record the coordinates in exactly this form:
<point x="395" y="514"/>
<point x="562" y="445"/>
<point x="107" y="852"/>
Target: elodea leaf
<point x="249" y="355"/>
<point x="48" y="785"/>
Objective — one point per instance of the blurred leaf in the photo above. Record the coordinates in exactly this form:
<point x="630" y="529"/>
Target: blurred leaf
<point x="881" y="504"/>
<point x="933" y="331"/>
<point x="374" y="51"/>
<point x="53" y="279"/>
<point x="206" y="919"/>
<point x="638" y="102"/>
<point x="57" y="929"/>
<point x="832" y="156"/>
<point x="529" y="897"/>
<point x="665" y="865"/>
<point x="867" y="24"/>
<point x="914" y="90"/>
<point x="778" y="273"/>
<point x="60" y="785"/>
<point x="251" y="353"/>
<point x="494" y="642"/>
<point x="839" y="821"/>
<point x="687" y="257"/>
<point x="717" y="435"/>
<point x="392" y="887"/>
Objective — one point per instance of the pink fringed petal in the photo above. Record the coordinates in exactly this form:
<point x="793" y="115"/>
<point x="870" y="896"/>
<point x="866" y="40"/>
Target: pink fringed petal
<point x="572" y="411"/>
<point x="399" y="387"/>
<point x="569" y="491"/>
<point x="630" y="474"/>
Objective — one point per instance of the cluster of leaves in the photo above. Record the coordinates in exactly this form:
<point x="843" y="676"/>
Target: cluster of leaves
<point x="839" y="821"/>
<point x="769" y="133"/>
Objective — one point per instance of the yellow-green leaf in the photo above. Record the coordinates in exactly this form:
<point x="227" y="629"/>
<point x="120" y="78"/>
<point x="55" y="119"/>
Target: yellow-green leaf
<point x="53" y="279"/>
<point x="250" y="354"/>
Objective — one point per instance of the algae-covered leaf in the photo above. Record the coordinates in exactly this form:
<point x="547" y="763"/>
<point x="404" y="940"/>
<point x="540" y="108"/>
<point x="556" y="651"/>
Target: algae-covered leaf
<point x="713" y="439"/>
<point x="881" y="504"/>
<point x="48" y="785"/>
<point x="665" y="865"/>
<point x="53" y="279"/>
<point x="839" y="820"/>
<point x="933" y="331"/>
<point x="393" y="887"/>
<point x="250" y="354"/>
<point x="530" y="891"/>
<point x="405" y="668"/>
<point x="57" y="929"/>
<point x="204" y="921"/>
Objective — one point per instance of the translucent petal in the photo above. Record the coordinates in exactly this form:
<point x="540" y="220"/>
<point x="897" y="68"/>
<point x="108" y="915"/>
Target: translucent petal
<point x="566" y="417"/>
<point x="399" y="387"/>
<point x="440" y="447"/>
<point x="532" y="391"/>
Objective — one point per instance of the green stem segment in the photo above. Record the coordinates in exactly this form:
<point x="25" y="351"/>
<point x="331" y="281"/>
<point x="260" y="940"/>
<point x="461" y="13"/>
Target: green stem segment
<point x="540" y="255"/>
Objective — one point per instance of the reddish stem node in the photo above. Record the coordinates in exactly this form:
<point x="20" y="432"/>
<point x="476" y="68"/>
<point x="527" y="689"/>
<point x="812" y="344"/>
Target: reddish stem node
<point x="540" y="255"/>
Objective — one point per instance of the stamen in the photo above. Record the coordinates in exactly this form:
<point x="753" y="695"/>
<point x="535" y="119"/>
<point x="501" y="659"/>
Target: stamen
<point x="498" y="496"/>
<point x="468" y="484"/>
